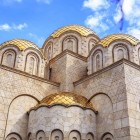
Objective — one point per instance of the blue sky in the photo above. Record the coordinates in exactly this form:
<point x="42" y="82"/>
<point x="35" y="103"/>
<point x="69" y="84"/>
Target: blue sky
<point x="35" y="20"/>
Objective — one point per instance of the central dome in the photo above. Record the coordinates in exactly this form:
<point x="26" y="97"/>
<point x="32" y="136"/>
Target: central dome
<point x="66" y="99"/>
<point x="83" y="31"/>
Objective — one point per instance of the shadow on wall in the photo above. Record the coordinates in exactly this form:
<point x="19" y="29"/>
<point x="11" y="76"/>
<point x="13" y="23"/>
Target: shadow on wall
<point x="17" y="121"/>
<point x="105" y="118"/>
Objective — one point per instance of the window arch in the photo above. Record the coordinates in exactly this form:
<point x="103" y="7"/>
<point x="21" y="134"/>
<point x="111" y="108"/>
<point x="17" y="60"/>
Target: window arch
<point x="74" y="135"/>
<point x="91" y="44"/>
<point x="89" y="136"/>
<point x="13" y="136"/>
<point x="8" y="58"/>
<point x="41" y="135"/>
<point x="107" y="136"/>
<point x="57" y="135"/>
<point x="119" y="52"/>
<point x="32" y="63"/>
<point x="49" y="50"/>
<point x="139" y="55"/>
<point x="29" y="136"/>
<point x="97" y="61"/>
<point x="70" y="43"/>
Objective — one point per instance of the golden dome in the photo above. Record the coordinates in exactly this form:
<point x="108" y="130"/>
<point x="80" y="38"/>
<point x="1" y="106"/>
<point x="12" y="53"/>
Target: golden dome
<point x="107" y="40"/>
<point x="77" y="28"/>
<point x="66" y="99"/>
<point x="20" y="43"/>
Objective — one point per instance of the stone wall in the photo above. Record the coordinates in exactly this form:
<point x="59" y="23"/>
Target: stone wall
<point x="74" y="118"/>
<point x="132" y="79"/>
<point x="67" y="69"/>
<point x="15" y="84"/>
<point x="107" y="91"/>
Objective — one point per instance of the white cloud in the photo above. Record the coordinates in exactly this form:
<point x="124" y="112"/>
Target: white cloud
<point x="97" y="22"/>
<point x="20" y="26"/>
<point x="44" y="1"/>
<point x="39" y="40"/>
<point x="110" y="14"/>
<point x="118" y="15"/>
<point x="134" y="32"/>
<point x="96" y="4"/>
<point x="7" y="27"/>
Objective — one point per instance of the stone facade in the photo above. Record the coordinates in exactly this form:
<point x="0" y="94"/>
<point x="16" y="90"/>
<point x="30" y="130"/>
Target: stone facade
<point x="76" y="87"/>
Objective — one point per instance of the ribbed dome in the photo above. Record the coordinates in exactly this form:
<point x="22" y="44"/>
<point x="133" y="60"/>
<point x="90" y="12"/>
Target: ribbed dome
<point x="77" y="28"/>
<point x="20" y="43"/>
<point x="107" y="40"/>
<point x="66" y="99"/>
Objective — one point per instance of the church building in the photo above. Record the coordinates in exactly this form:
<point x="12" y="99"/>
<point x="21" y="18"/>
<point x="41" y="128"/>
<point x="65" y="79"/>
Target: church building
<point x="77" y="86"/>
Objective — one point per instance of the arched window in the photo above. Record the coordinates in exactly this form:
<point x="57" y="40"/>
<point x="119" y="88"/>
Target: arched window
<point x="8" y="58"/>
<point x="74" y="135"/>
<point x="108" y="139"/>
<point x="57" y="135"/>
<point x="32" y="64"/>
<point x="13" y="136"/>
<point x="49" y="51"/>
<point x="89" y="136"/>
<point x="107" y="136"/>
<point x="30" y="136"/>
<point x="70" y="43"/>
<point x="97" y="61"/>
<point x="13" y="139"/>
<point x="91" y="44"/>
<point x="120" y="52"/>
<point x="40" y="135"/>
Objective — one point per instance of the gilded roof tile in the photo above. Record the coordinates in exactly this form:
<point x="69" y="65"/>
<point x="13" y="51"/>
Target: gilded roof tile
<point x="67" y="99"/>
<point x="77" y="28"/>
<point x="107" y="40"/>
<point x="20" y="43"/>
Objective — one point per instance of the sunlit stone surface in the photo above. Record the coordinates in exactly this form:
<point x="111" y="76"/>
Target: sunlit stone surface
<point x="76" y="87"/>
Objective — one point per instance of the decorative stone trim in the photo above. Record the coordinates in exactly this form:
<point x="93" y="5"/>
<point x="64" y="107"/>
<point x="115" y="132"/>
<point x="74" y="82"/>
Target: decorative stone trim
<point x="67" y="106"/>
<point x="28" y="75"/>
<point x="70" y="53"/>
<point x="122" y="61"/>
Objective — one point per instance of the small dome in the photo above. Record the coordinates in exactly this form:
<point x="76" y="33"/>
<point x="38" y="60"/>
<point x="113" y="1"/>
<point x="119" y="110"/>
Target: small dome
<point x="77" y="28"/>
<point x="107" y="40"/>
<point x="66" y="99"/>
<point x="20" y="43"/>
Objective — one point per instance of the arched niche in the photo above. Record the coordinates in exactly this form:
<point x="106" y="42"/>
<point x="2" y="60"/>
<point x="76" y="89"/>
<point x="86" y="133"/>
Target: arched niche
<point x="97" y="61"/>
<point x="105" y="119"/>
<point x="32" y="64"/>
<point x="74" y="135"/>
<point x="89" y="136"/>
<point x="120" y="51"/>
<point x="107" y="136"/>
<point x="40" y="135"/>
<point x="70" y="43"/>
<point x="139" y="55"/>
<point x="9" y="58"/>
<point x="49" y="51"/>
<point x="91" y="44"/>
<point x="57" y="135"/>
<point x="13" y="136"/>
<point x="17" y="115"/>
<point x="30" y="136"/>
